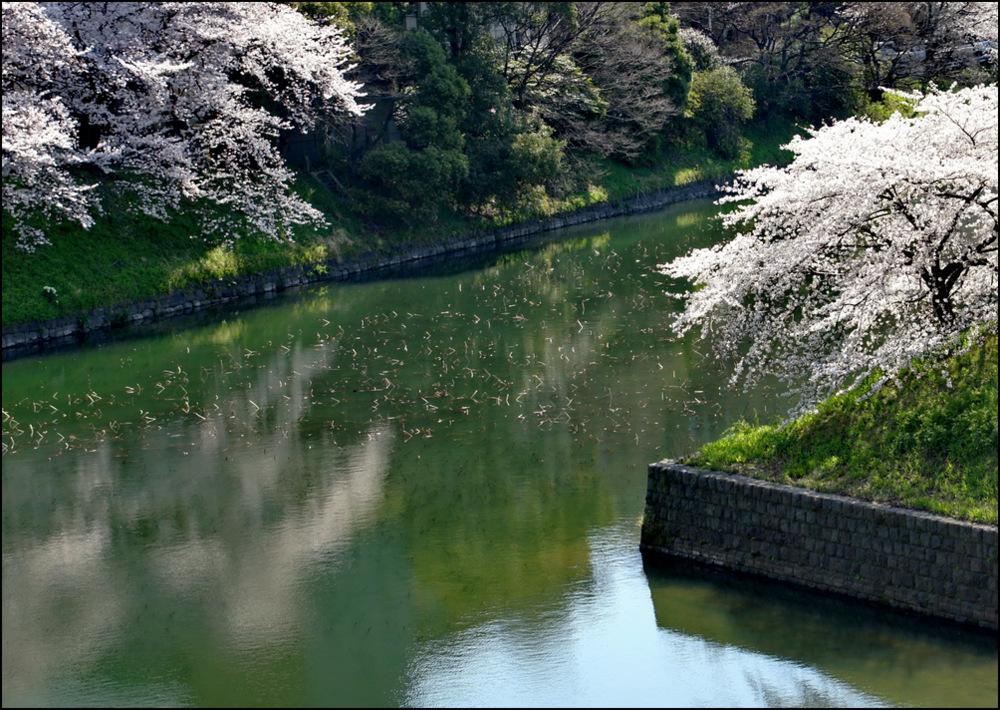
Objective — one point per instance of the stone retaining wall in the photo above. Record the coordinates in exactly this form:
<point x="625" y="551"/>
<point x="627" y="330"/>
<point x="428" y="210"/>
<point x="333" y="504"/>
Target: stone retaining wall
<point x="33" y="337"/>
<point x="910" y="560"/>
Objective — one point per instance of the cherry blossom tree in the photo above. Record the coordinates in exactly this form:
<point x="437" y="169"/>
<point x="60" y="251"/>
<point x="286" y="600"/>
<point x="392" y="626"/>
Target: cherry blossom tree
<point x="876" y="245"/>
<point x="171" y="100"/>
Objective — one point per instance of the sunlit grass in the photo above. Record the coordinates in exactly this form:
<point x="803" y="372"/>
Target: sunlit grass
<point x="678" y="166"/>
<point x="930" y="444"/>
<point x="686" y="176"/>
<point x="126" y="257"/>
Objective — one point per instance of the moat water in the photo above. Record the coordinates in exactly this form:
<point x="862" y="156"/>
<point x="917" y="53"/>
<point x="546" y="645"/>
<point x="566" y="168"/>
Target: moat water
<point x="422" y="491"/>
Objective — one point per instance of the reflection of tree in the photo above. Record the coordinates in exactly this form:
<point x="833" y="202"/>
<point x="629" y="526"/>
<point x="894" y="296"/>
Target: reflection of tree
<point x="224" y="535"/>
<point x="260" y="573"/>
<point x="481" y="536"/>
<point x="49" y="626"/>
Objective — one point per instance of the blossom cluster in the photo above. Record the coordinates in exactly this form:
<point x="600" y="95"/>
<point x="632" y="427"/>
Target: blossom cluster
<point x="174" y="100"/>
<point x="875" y="246"/>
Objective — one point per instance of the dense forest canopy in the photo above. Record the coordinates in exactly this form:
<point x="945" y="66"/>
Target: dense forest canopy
<point x="473" y="108"/>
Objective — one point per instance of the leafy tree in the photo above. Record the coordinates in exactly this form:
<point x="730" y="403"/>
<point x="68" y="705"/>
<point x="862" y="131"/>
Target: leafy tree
<point x="633" y="56"/>
<point x="658" y="19"/>
<point x="510" y="151"/>
<point x="412" y="183"/>
<point x="423" y="174"/>
<point x="437" y="103"/>
<point x="718" y="105"/>
<point x="458" y="26"/>
<point x="341" y="14"/>
<point x="170" y="100"/>
<point x="452" y="96"/>
<point x="602" y="77"/>
<point x="876" y="245"/>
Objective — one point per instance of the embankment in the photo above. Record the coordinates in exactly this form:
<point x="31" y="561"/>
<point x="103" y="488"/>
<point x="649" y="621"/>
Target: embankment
<point x="910" y="560"/>
<point x="27" y="338"/>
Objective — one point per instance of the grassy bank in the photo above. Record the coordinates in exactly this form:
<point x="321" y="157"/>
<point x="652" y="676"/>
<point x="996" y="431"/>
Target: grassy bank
<point x="126" y="257"/>
<point x="930" y="444"/>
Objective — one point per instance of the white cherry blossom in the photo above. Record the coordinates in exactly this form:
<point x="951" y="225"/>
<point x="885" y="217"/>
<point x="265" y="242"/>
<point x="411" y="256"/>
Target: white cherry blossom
<point x="171" y="99"/>
<point x="876" y="245"/>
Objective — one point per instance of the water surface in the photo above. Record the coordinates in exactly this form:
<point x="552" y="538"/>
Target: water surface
<point x="422" y="491"/>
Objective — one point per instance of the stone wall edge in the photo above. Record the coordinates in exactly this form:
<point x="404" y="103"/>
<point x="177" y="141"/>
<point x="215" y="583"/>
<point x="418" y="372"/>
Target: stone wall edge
<point x="909" y="560"/>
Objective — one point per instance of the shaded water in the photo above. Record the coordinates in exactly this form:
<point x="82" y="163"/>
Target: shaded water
<point x="414" y="492"/>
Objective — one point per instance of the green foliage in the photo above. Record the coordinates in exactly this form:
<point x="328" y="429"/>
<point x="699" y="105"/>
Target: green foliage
<point x="425" y="52"/>
<point x="514" y="110"/>
<point x="412" y="182"/>
<point x="795" y="60"/>
<point x="490" y="126"/>
<point x="880" y="111"/>
<point x="657" y="17"/>
<point x="489" y="111"/>
<point x="425" y="127"/>
<point x="718" y="105"/>
<point x="437" y="104"/>
<point x="930" y="443"/>
<point x="506" y="166"/>
<point x="465" y="143"/>
<point x="342" y="14"/>
<point x="128" y="256"/>
<point x="536" y="156"/>
<point x="443" y="90"/>
<point x="812" y="96"/>
<point x="456" y="25"/>
<point x="418" y="178"/>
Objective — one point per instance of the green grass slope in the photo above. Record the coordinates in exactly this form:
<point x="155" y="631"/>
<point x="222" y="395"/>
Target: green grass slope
<point x="930" y="444"/>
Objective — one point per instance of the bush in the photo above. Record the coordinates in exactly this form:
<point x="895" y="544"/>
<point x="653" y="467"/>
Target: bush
<point x="405" y="181"/>
<point x="718" y="106"/>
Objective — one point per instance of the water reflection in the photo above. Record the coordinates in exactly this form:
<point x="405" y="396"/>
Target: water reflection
<point x="900" y="653"/>
<point x="193" y="526"/>
<point x="600" y="646"/>
<point x="64" y="580"/>
<point x="867" y="647"/>
<point x="406" y="492"/>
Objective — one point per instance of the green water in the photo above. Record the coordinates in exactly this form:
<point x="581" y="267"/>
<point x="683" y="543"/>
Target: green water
<point x="421" y="491"/>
